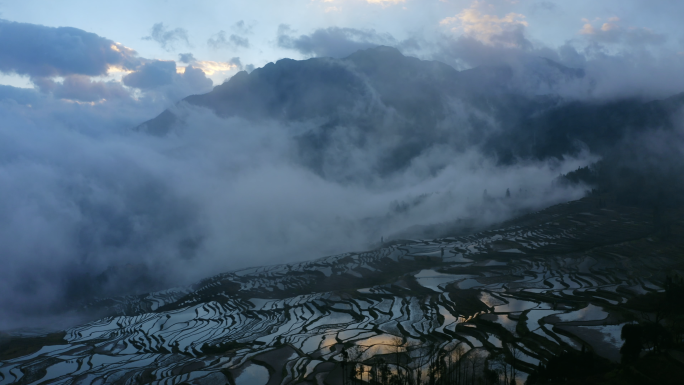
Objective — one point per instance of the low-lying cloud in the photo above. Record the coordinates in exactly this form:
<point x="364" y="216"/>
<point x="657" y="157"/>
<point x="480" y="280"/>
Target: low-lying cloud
<point x="97" y="208"/>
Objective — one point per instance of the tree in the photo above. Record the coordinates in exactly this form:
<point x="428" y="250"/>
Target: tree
<point x="515" y="353"/>
<point x="499" y="365"/>
<point x="419" y="353"/>
<point x="384" y="373"/>
<point x="353" y="354"/>
<point x="345" y="362"/>
<point x="397" y="344"/>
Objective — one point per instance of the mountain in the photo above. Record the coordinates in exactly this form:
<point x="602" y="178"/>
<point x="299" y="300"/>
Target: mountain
<point x="598" y="125"/>
<point x="392" y="109"/>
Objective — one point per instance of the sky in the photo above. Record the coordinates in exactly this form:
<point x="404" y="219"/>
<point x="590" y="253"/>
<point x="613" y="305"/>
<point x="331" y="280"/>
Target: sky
<point x="85" y="196"/>
<point x="218" y="31"/>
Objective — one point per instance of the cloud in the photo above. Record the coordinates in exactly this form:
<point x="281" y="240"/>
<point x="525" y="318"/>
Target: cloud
<point x="219" y="40"/>
<point x="332" y="41"/>
<point x="544" y="5"/>
<point x="612" y="32"/>
<point x="196" y="79"/>
<point x="38" y="51"/>
<point x="167" y="38"/>
<point x="383" y="3"/>
<point x="236" y="40"/>
<point x="162" y="77"/>
<point x="83" y="88"/>
<point x="478" y="39"/>
<point x="489" y="29"/>
<point x="25" y="96"/>
<point x="218" y="194"/>
<point x="186" y="58"/>
<point x="152" y="74"/>
<point x="243" y="27"/>
<point x="606" y="71"/>
<point x="209" y="67"/>
<point x="616" y="61"/>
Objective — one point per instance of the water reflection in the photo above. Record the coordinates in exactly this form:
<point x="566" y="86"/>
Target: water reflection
<point x="253" y="375"/>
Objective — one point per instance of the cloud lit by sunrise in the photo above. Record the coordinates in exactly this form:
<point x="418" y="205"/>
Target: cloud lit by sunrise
<point x="210" y="67"/>
<point x="483" y="27"/>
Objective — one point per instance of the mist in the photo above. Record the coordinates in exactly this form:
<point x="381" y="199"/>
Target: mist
<point x="93" y="208"/>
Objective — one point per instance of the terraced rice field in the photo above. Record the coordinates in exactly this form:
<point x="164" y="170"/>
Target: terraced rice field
<point x="541" y="284"/>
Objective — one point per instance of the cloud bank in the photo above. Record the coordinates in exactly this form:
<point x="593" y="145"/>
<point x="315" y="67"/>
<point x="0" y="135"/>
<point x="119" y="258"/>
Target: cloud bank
<point x="93" y="207"/>
<point x="618" y="60"/>
<point x="38" y="51"/>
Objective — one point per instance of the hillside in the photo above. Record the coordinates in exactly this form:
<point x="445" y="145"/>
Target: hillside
<point x="564" y="279"/>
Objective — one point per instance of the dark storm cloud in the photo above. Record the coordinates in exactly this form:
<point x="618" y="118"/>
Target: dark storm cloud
<point x="332" y="41"/>
<point x="39" y="51"/>
<point x="166" y="37"/>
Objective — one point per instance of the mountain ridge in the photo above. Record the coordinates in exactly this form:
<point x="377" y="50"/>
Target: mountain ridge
<point x="407" y="106"/>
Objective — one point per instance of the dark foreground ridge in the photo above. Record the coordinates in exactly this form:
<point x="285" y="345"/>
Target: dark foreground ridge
<point x="544" y="297"/>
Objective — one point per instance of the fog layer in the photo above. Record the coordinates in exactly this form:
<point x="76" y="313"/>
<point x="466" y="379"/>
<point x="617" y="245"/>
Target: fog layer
<point x="99" y="209"/>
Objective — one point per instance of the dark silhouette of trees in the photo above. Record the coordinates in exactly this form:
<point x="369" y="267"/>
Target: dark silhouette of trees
<point x="662" y="325"/>
<point x="631" y="349"/>
<point x="571" y="365"/>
